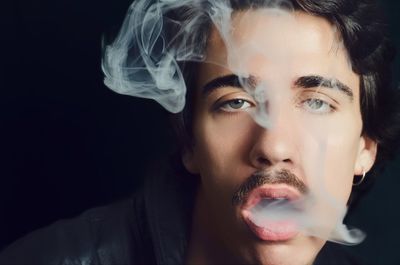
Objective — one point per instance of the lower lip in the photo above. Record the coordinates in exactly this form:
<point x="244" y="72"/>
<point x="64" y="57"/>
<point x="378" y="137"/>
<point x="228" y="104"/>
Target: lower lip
<point x="273" y="230"/>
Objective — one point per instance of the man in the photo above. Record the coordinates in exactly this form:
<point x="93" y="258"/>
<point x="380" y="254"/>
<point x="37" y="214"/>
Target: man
<point x="283" y="103"/>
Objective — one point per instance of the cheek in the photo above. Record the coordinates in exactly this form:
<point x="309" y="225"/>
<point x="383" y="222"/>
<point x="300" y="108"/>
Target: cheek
<point x="329" y="161"/>
<point x="341" y="161"/>
<point x="221" y="148"/>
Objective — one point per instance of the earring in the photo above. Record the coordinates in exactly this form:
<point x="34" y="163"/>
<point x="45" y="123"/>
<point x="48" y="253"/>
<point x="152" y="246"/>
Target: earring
<point x="361" y="180"/>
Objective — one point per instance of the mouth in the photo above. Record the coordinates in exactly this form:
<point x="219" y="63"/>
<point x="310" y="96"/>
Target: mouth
<point x="271" y="228"/>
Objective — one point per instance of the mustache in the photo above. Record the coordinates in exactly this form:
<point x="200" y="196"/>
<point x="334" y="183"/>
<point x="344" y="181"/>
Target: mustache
<point x="260" y="178"/>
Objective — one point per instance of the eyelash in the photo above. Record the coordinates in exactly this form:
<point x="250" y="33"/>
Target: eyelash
<point x="330" y="107"/>
<point x="223" y="106"/>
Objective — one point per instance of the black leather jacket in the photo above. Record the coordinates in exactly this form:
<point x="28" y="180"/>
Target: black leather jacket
<point x="105" y="235"/>
<point x="149" y="228"/>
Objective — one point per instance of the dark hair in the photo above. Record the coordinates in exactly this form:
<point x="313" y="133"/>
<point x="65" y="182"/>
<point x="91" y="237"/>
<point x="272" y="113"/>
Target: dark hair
<point x="364" y="34"/>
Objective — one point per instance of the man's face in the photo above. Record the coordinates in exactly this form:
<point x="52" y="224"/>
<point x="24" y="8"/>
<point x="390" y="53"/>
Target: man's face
<point x="311" y="131"/>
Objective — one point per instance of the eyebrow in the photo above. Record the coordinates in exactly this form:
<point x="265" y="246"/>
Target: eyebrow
<point x="320" y="81"/>
<point x="310" y="81"/>
<point x="231" y="80"/>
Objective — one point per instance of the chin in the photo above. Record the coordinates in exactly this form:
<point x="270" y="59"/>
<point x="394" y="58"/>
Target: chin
<point x="301" y="250"/>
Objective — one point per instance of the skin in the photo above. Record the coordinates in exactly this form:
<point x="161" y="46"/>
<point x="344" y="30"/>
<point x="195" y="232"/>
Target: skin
<point x="314" y="133"/>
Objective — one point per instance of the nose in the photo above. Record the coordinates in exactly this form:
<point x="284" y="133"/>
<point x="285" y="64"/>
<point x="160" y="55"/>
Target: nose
<point x="274" y="146"/>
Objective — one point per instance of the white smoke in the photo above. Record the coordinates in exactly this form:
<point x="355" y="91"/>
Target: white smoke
<point x="144" y="59"/>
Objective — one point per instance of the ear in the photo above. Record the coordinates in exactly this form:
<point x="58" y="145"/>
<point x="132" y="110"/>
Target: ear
<point x="366" y="155"/>
<point x="189" y="161"/>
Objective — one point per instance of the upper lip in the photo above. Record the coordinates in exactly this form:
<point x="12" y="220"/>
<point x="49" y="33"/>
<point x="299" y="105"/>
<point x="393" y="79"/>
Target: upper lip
<point x="271" y="191"/>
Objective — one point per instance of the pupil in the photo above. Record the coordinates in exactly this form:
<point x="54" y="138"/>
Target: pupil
<point x="237" y="103"/>
<point x="316" y="104"/>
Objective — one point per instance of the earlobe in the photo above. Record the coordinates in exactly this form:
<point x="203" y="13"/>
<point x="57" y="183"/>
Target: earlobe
<point x="189" y="162"/>
<point x="366" y="155"/>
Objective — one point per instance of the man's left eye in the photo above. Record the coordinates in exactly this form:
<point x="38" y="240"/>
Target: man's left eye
<point x="317" y="106"/>
<point x="235" y="105"/>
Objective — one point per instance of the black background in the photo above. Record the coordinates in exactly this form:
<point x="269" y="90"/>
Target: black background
<point x="67" y="143"/>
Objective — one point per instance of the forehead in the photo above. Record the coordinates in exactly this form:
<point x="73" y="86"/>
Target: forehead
<point x="274" y="44"/>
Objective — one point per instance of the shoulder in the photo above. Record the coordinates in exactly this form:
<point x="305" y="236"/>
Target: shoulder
<point x="103" y="235"/>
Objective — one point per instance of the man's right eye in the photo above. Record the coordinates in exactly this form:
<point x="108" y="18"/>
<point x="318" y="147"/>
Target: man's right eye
<point x="235" y="105"/>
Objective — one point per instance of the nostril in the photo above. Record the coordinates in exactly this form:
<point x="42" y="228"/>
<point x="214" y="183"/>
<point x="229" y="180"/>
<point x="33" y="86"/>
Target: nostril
<point x="263" y="161"/>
